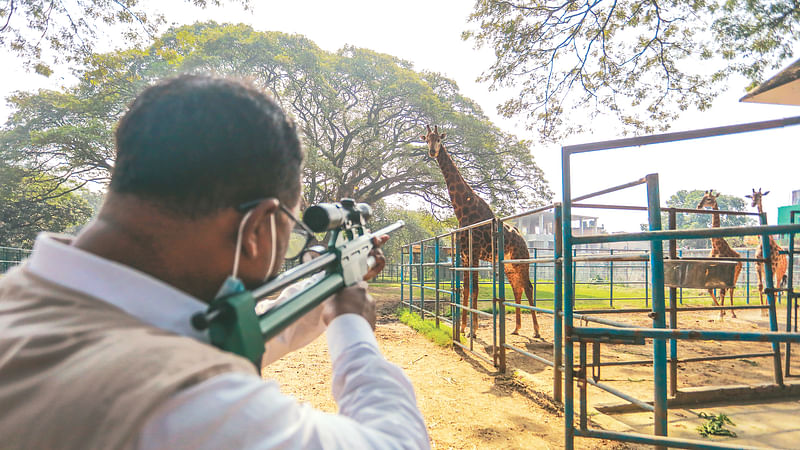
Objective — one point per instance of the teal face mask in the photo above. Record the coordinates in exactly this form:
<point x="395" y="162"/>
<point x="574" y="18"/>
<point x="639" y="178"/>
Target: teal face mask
<point x="234" y="285"/>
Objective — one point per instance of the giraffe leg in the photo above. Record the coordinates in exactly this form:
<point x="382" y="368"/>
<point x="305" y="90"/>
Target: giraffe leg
<point x="759" y="271"/>
<point x="474" y="304"/>
<point x="733" y="311"/>
<point x="529" y="294"/>
<point x="714" y="299"/>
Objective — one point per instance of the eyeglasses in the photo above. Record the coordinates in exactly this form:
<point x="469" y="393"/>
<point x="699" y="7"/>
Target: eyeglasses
<point x="300" y="237"/>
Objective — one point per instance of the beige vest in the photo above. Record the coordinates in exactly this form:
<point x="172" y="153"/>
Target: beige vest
<point x="79" y="373"/>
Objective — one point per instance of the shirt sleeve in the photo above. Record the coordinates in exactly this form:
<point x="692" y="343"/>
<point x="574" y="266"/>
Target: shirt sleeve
<point x="300" y="333"/>
<point x="377" y="406"/>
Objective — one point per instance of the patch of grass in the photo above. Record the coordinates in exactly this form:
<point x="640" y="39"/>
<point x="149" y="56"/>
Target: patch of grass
<point x="442" y="336"/>
<point x="715" y="425"/>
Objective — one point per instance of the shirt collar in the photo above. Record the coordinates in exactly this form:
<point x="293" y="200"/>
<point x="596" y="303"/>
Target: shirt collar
<point x="148" y="299"/>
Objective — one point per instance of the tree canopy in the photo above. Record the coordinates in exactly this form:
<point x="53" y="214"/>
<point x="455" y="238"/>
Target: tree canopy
<point x="361" y="113"/>
<point x="33" y="202"/>
<point x="690" y="200"/>
<point x="643" y="61"/>
<point x="43" y="32"/>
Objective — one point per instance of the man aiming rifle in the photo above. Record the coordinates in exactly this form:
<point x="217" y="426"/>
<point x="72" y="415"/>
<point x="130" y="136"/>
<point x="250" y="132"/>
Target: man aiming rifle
<point x="97" y="343"/>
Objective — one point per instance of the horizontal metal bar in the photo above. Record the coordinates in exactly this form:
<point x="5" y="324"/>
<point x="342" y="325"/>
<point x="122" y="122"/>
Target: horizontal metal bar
<point x="473" y="225"/>
<point x="471" y="269"/>
<point x="598" y="206"/>
<point x="724" y="357"/>
<point x="530" y="260"/>
<point x="643" y="257"/>
<point x="476" y="311"/>
<point x="530" y="308"/>
<point x="611" y="189"/>
<point x="599" y="320"/>
<point x="682" y="308"/>
<point x="529" y="355"/>
<point x="529" y="212"/>
<point x="680" y="136"/>
<point x="620" y="394"/>
<point x="710" y="258"/>
<point x="586" y="333"/>
<point x="431" y="264"/>
<point x="487" y="360"/>
<point x="638" y="438"/>
<point x="637" y="362"/>
<point x="702" y="233"/>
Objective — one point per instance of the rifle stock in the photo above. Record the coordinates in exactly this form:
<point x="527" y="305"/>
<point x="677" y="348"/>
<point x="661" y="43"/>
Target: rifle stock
<point x="232" y="321"/>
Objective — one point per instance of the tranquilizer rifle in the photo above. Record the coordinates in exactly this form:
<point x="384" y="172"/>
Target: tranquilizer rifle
<point x="232" y="322"/>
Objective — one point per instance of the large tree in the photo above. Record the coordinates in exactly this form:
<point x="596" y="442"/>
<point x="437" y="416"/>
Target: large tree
<point x="643" y="61"/>
<point x="34" y="202"/>
<point x="361" y="113"/>
<point x="689" y="200"/>
<point x="43" y="32"/>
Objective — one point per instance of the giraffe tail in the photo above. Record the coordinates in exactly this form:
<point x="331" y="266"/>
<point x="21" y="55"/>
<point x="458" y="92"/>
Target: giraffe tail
<point x="784" y="281"/>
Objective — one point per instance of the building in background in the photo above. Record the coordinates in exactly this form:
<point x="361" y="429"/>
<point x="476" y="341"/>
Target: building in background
<point x="785" y="214"/>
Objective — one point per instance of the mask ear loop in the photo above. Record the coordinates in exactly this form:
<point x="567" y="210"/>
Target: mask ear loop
<point x="239" y="244"/>
<point x="273" y="232"/>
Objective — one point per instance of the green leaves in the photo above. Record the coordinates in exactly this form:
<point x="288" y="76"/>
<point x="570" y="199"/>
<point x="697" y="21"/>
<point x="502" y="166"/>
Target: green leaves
<point x="634" y="60"/>
<point x="361" y="113"/>
<point x="44" y="32"/>
<point x="715" y="425"/>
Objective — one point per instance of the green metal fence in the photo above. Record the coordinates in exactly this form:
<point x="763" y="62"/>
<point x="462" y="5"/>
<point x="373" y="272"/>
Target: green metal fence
<point x="11" y="256"/>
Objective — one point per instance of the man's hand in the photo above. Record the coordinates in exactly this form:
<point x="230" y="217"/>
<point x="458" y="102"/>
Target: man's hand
<point x="377" y="253"/>
<point x="351" y="300"/>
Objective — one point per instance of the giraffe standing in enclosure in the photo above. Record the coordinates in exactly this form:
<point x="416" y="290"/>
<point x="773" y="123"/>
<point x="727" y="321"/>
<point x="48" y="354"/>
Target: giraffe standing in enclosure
<point x="720" y="249"/>
<point x="469" y="209"/>
<point x="778" y="262"/>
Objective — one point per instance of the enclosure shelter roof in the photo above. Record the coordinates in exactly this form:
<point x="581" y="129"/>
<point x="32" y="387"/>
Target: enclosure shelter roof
<point x="782" y="89"/>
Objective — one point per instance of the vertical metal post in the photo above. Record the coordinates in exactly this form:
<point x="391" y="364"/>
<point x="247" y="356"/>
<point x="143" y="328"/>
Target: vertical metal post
<point x="680" y="290"/>
<point x="568" y="295"/>
<point x="646" y="283"/>
<point x="557" y="304"/>
<point x="457" y="291"/>
<point x="582" y="385"/>
<point x="789" y="268"/>
<point x="437" y="260"/>
<point x="673" y="313"/>
<point x="402" y="266"/>
<point x="773" y="313"/>
<point x="495" y="265"/>
<point x="611" y="280"/>
<point x="422" y="279"/>
<point x="659" y="345"/>
<point x="747" y="277"/>
<point x="501" y="294"/>
<point x="535" y="275"/>
<point x="470" y="279"/>
<point x="411" y="278"/>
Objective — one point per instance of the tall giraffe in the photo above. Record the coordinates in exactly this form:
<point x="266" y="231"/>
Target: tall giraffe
<point x="778" y="261"/>
<point x="720" y="248"/>
<point x="469" y="209"/>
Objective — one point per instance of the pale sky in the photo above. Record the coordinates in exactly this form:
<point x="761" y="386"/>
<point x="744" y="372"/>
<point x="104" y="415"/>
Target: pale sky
<point x="428" y="33"/>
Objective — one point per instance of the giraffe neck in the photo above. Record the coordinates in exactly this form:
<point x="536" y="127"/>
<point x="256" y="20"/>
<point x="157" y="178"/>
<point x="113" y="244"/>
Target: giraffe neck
<point x="717" y="244"/>
<point x="468" y="207"/>
<point x="772" y="242"/>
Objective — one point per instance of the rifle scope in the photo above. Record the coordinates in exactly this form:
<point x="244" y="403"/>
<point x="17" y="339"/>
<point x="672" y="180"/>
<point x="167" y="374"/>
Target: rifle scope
<point x="330" y="216"/>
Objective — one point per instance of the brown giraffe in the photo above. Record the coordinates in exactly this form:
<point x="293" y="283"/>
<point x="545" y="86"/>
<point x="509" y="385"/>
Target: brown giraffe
<point x="720" y="248"/>
<point x="469" y="209"/>
<point x="778" y="261"/>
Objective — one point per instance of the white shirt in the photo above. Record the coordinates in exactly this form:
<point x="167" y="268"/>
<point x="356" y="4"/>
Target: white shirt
<point x="377" y="406"/>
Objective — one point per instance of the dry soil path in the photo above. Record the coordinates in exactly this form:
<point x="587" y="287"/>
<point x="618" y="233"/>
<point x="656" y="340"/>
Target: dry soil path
<point x="466" y="404"/>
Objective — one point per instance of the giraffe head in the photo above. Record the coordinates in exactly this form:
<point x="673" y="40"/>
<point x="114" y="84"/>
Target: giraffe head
<point x="434" y="140"/>
<point x="756" y="196"/>
<point x="709" y="200"/>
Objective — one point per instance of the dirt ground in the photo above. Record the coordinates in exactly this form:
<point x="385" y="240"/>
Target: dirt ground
<point x="465" y="402"/>
<point x="468" y="404"/>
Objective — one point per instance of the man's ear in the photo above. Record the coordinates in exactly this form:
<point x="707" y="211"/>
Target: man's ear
<point x="256" y="224"/>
